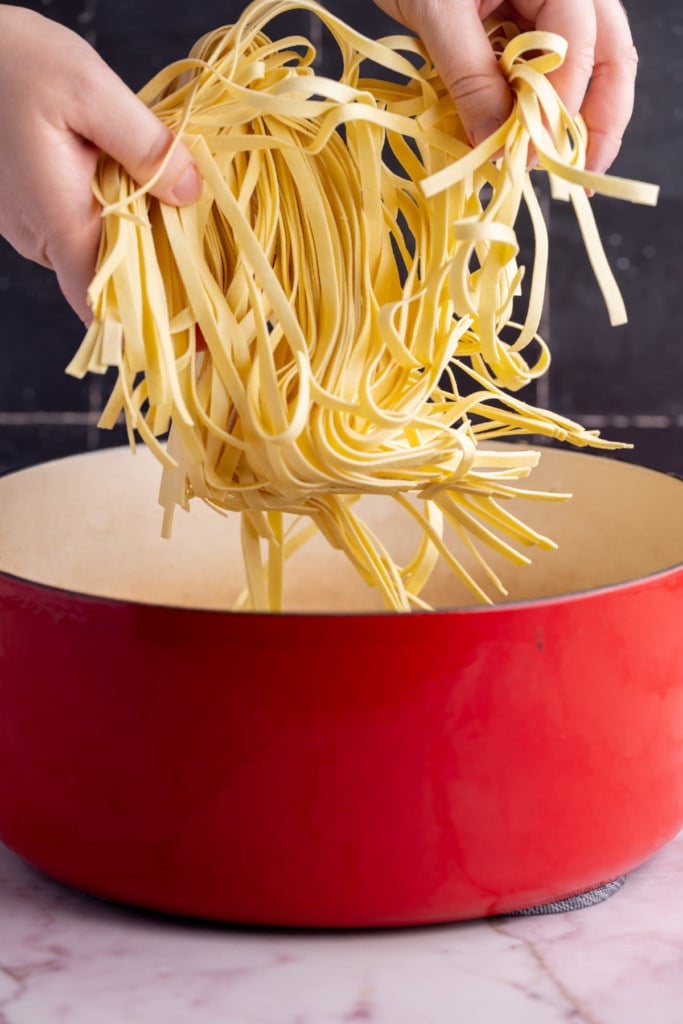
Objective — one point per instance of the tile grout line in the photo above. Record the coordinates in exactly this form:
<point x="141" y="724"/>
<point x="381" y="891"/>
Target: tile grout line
<point x="44" y="418"/>
<point x="41" y="417"/>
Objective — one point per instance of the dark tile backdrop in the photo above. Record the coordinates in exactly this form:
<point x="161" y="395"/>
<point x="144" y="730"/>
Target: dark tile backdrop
<point x="627" y="381"/>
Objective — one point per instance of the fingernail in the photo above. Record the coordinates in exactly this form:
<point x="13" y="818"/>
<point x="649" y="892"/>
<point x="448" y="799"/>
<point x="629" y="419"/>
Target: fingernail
<point x="189" y="188"/>
<point x="482" y="131"/>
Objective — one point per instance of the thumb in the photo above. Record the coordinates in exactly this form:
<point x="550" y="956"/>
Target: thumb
<point x="459" y="46"/>
<point x="117" y="122"/>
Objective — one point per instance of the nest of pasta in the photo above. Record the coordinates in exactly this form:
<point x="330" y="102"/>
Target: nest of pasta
<point x="334" y="317"/>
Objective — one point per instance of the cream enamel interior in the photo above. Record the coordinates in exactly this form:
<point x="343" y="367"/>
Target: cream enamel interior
<point x="91" y="523"/>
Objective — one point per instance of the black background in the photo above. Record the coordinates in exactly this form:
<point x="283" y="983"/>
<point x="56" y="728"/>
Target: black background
<point x="627" y="381"/>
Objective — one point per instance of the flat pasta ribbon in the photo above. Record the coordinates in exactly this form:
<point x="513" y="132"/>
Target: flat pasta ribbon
<point x="334" y="317"/>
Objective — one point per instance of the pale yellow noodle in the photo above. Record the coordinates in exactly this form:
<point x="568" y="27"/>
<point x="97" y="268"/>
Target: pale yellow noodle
<point x="343" y="311"/>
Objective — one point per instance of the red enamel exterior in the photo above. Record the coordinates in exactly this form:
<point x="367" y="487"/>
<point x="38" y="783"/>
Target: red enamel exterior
<point x="341" y="770"/>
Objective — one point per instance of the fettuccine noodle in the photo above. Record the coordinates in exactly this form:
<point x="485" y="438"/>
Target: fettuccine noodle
<point x="334" y="317"/>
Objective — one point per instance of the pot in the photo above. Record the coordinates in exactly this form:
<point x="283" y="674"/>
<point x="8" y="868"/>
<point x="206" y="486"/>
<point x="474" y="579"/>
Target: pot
<point x="335" y="765"/>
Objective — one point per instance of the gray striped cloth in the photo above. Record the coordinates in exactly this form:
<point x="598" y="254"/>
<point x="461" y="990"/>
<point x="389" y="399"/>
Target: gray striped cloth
<point x="578" y="902"/>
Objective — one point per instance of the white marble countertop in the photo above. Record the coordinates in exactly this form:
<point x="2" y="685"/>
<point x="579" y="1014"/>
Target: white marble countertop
<point x="68" y="958"/>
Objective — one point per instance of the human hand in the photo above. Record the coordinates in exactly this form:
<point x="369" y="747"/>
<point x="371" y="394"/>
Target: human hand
<point x="597" y="78"/>
<point x="59" y="105"/>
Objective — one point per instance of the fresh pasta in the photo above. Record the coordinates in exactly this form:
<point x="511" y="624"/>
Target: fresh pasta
<point x="338" y="314"/>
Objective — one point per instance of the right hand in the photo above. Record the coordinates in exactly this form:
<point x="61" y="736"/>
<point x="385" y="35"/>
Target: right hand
<point x="59" y="105"/>
<point x="597" y="78"/>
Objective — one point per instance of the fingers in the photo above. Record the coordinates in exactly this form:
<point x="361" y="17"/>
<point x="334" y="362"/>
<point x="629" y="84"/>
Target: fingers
<point x="73" y="261"/>
<point x="52" y="125"/>
<point x="111" y="118"/>
<point x="457" y="43"/>
<point x="596" y="79"/>
<point x="114" y="119"/>
<point x="599" y="73"/>
<point x="609" y="104"/>
<point x="66" y="217"/>
<point x="577" y="23"/>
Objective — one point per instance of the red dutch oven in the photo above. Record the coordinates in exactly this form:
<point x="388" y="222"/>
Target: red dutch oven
<point x="335" y="765"/>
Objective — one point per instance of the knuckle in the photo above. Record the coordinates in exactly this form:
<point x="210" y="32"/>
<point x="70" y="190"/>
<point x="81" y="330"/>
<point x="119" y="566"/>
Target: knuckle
<point x="78" y="99"/>
<point x="629" y="57"/>
<point x="624" y="61"/>
<point x="154" y="152"/>
<point x="22" y="234"/>
<point x="612" y="134"/>
<point x="417" y="15"/>
<point x="583" y="59"/>
<point x="83" y="70"/>
<point x="469" y="86"/>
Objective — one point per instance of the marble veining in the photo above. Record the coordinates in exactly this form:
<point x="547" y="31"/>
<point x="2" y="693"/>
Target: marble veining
<point x="67" y="958"/>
